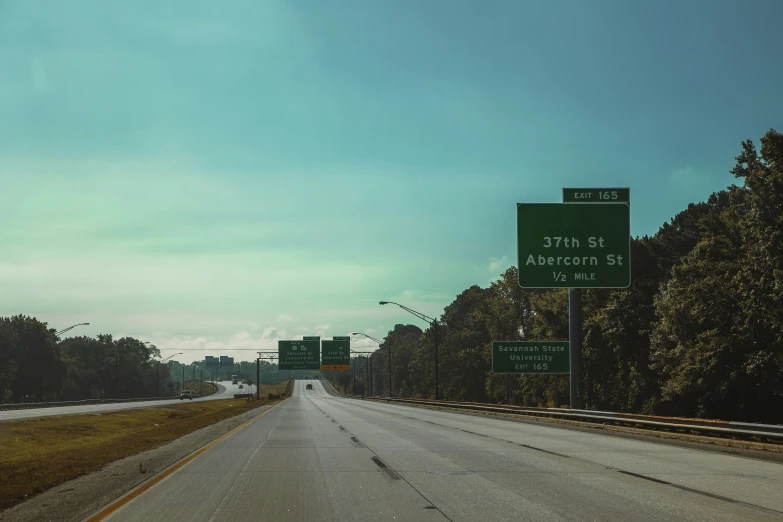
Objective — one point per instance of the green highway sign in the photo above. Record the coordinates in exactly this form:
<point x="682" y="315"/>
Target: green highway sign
<point x="299" y="355"/>
<point x="596" y="195"/>
<point x="574" y="246"/>
<point x="531" y="357"/>
<point x="336" y="354"/>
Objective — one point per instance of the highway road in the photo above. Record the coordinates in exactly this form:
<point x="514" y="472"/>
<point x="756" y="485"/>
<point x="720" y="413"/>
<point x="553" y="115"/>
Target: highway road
<point x="225" y="391"/>
<point x="325" y="458"/>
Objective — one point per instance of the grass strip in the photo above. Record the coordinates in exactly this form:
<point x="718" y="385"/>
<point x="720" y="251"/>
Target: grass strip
<point x="38" y="454"/>
<point x="200" y="388"/>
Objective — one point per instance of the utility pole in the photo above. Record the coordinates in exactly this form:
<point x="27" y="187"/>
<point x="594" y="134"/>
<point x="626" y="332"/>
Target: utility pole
<point x="157" y="378"/>
<point x="508" y="401"/>
<point x="371" y="376"/>
<point x="434" y="324"/>
<point x="435" y="327"/>
<point x="183" y="377"/>
<point x="117" y="374"/>
<point x="258" y="379"/>
<point x="354" y="378"/>
<point x="388" y="348"/>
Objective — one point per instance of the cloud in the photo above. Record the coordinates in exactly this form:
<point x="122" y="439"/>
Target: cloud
<point x="270" y="333"/>
<point x="323" y="327"/>
<point x="498" y="264"/>
<point x="283" y="318"/>
<point x="688" y="178"/>
<point x="242" y="345"/>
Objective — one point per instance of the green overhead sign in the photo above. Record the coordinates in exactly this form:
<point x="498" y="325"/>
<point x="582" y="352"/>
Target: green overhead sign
<point x="336" y="354"/>
<point x="531" y="357"/>
<point x="299" y="355"/>
<point x="596" y="195"/>
<point x="574" y="246"/>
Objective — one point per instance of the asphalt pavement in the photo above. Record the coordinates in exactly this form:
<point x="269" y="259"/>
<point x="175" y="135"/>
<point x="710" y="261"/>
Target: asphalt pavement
<point x="225" y="390"/>
<point x="326" y="458"/>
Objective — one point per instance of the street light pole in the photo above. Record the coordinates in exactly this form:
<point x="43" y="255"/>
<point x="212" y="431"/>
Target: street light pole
<point x="157" y="371"/>
<point x="381" y="344"/>
<point x="434" y="324"/>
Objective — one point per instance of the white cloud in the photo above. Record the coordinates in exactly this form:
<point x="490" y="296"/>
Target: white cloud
<point x="496" y="264"/>
<point x="688" y="178"/>
<point x="270" y="333"/>
<point x="242" y="346"/>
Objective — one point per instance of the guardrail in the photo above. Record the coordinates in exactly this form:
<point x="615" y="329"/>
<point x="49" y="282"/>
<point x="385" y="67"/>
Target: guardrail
<point x="713" y="427"/>
<point x="329" y="386"/>
<point x="288" y="388"/>
<point x="32" y="405"/>
<point x="83" y="402"/>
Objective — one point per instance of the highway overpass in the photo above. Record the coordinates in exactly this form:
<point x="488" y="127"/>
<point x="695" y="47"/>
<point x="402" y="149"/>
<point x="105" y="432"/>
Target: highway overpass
<point x="320" y="457"/>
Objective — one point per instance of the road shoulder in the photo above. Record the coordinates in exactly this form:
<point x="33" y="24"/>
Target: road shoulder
<point x="76" y="499"/>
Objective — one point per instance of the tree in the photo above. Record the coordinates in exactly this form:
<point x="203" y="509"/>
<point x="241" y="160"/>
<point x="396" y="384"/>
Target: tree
<point x="39" y="370"/>
<point x="9" y="343"/>
<point x="718" y="342"/>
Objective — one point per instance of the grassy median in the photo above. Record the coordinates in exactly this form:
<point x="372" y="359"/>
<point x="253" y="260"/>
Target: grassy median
<point x="200" y="388"/>
<point x="38" y="454"/>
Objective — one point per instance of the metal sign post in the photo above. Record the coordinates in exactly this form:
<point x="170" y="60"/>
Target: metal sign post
<point x="584" y="242"/>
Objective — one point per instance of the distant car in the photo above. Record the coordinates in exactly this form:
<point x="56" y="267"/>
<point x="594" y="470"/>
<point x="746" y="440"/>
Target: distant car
<point x="234" y="381"/>
<point x="309" y="387"/>
<point x="241" y="386"/>
<point x="186" y="394"/>
<point x="220" y="380"/>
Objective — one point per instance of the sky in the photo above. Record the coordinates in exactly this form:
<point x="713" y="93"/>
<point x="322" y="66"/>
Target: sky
<point x="215" y="176"/>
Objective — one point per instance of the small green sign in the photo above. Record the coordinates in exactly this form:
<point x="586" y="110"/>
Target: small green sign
<point x="336" y="354"/>
<point x="299" y="355"/>
<point x="596" y="195"/>
<point x="531" y="357"/>
<point x="311" y="338"/>
<point x="574" y="246"/>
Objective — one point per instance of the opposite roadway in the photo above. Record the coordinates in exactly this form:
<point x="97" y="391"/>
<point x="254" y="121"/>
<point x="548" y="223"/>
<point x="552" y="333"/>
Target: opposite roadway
<point x="225" y="390"/>
<point x="320" y="457"/>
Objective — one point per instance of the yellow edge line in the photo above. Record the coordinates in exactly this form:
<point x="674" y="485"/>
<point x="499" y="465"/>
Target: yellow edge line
<point x="117" y="504"/>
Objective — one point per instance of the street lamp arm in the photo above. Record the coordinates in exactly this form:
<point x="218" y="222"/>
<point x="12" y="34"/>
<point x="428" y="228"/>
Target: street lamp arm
<point x="369" y="337"/>
<point x="70" y="328"/>
<point x="411" y="311"/>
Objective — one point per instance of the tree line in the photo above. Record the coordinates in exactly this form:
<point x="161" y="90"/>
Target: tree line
<point x="699" y="333"/>
<point x="36" y="365"/>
